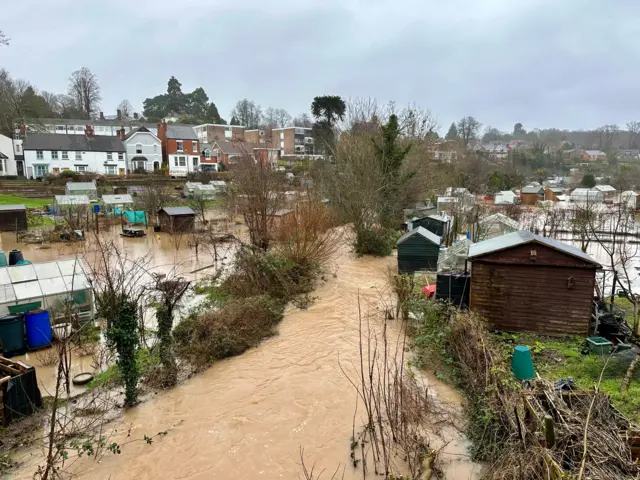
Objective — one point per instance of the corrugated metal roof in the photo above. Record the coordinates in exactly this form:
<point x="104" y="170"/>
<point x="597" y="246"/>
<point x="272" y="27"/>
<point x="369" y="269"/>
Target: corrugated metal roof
<point x="117" y="199"/>
<point x="432" y="237"/>
<point x="522" y="237"/>
<point x="171" y="211"/>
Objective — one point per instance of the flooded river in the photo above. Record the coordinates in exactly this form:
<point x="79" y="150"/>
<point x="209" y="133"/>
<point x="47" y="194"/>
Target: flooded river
<point x="247" y="417"/>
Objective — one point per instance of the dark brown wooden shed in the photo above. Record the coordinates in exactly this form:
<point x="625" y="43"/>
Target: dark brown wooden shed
<point x="12" y="218"/>
<point x="522" y="282"/>
<point x="177" y="219"/>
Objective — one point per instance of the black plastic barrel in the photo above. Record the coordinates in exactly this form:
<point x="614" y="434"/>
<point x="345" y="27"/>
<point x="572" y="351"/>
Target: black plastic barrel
<point x="454" y="287"/>
<point x="15" y="256"/>
<point x="12" y="334"/>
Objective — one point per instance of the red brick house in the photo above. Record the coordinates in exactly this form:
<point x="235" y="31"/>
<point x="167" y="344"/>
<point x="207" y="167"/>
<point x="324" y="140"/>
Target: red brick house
<point x="180" y="148"/>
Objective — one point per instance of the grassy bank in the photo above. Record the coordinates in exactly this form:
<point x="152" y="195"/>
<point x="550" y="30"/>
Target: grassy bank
<point x="458" y="346"/>
<point x="7" y="199"/>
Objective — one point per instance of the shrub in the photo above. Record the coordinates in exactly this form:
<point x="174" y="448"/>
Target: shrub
<point x="376" y="241"/>
<point x="239" y="325"/>
<point x="265" y="273"/>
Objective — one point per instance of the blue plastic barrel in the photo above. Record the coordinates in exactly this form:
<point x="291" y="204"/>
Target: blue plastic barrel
<point x="38" y="329"/>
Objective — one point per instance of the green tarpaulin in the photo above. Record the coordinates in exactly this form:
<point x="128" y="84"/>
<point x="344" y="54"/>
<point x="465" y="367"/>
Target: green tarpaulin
<point x="137" y="217"/>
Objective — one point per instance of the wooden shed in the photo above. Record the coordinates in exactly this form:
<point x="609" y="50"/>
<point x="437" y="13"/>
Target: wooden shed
<point x="522" y="282"/>
<point x="437" y="224"/>
<point x="418" y="250"/>
<point x="12" y="218"/>
<point x="531" y="194"/>
<point x="177" y="219"/>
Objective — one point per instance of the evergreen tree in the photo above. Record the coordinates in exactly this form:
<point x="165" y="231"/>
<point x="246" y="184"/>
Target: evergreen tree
<point x="452" y="134"/>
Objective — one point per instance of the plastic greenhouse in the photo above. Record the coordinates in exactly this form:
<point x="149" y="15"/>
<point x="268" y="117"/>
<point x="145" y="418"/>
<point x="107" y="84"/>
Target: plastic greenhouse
<point x="46" y="285"/>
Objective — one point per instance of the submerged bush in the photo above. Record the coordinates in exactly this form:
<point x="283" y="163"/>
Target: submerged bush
<point x="265" y="273"/>
<point x="239" y="325"/>
<point x="376" y="241"/>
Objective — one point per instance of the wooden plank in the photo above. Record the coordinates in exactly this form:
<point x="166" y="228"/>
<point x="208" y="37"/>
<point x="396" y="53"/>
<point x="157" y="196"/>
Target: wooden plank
<point x="24" y="366"/>
<point x="11" y="370"/>
<point x="4" y="380"/>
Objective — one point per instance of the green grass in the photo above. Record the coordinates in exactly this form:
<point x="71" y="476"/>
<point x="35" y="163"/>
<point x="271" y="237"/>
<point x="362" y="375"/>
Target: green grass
<point x="6" y="199"/>
<point x="558" y="358"/>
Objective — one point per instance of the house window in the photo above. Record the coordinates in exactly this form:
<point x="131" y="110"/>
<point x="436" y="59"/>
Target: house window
<point x="139" y="148"/>
<point x="111" y="170"/>
<point x="78" y="156"/>
<point x="79" y="129"/>
<point x="182" y="161"/>
<point x="39" y="155"/>
<point x="207" y="153"/>
<point x="65" y="155"/>
<point x="60" y="129"/>
<point x="18" y="148"/>
<point x="179" y="145"/>
<point x="121" y="157"/>
<point x="81" y="168"/>
<point x="175" y="161"/>
<point x="41" y="170"/>
<point x="155" y="149"/>
<point x="54" y="155"/>
<point x="194" y="147"/>
<point x="140" y="165"/>
<point x="109" y="156"/>
<point x="195" y="161"/>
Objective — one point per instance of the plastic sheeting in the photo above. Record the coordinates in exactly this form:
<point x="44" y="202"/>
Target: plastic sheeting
<point x="138" y="217"/>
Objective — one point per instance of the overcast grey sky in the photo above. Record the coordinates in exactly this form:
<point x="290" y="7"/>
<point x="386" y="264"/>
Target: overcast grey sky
<point x="545" y="63"/>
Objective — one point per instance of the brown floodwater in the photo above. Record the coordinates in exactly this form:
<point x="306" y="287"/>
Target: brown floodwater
<point x="247" y="417"/>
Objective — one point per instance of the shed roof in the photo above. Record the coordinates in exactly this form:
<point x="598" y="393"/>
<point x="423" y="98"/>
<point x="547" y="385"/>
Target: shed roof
<point x="522" y="237"/>
<point x="12" y="208"/>
<point x="532" y="189"/>
<point x="423" y="232"/>
<point x="177" y="211"/>
<point x="506" y="193"/>
<point x="500" y="218"/>
<point x="72" y="200"/>
<point x="181" y="132"/>
<point x="604" y="188"/>
<point x="81" y="186"/>
<point x="204" y="187"/>
<point x="117" y="199"/>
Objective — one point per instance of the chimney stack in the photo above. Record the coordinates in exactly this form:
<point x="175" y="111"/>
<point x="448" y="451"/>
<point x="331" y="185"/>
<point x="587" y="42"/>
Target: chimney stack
<point x="101" y="115"/>
<point x="89" y="131"/>
<point x="119" y="114"/>
<point x="122" y="133"/>
<point x="135" y="115"/>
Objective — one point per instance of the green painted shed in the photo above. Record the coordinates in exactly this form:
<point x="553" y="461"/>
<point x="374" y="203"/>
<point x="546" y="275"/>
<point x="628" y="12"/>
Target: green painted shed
<point x="418" y="250"/>
<point x="438" y="224"/>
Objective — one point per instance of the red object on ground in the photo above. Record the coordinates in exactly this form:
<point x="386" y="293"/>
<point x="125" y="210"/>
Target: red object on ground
<point x="429" y="290"/>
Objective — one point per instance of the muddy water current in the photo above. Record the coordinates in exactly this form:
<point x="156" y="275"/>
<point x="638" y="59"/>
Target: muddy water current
<point x="247" y="417"/>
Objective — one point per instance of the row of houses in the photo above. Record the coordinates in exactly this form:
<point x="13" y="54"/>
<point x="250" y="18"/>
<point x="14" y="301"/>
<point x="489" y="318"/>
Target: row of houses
<point x="53" y="146"/>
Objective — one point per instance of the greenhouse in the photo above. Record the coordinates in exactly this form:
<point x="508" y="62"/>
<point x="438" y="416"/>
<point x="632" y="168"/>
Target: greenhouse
<point x="46" y="286"/>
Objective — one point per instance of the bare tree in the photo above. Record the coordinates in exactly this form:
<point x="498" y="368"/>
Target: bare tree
<point x="303" y="120"/>
<point x="607" y="135"/>
<point x="258" y="191"/>
<point x="634" y="130"/>
<point x="85" y="90"/>
<point x="126" y="110"/>
<point x="247" y="113"/>
<point x="53" y="101"/>
<point x="417" y="123"/>
<point x="155" y="196"/>
<point x="4" y="40"/>
<point x="468" y="128"/>
<point x="276" y="117"/>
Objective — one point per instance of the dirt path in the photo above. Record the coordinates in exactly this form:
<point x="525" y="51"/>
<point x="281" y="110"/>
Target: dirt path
<point x="247" y="417"/>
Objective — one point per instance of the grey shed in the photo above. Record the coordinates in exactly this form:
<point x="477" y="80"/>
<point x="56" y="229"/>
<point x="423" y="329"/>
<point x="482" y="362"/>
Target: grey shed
<point x="418" y="250"/>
